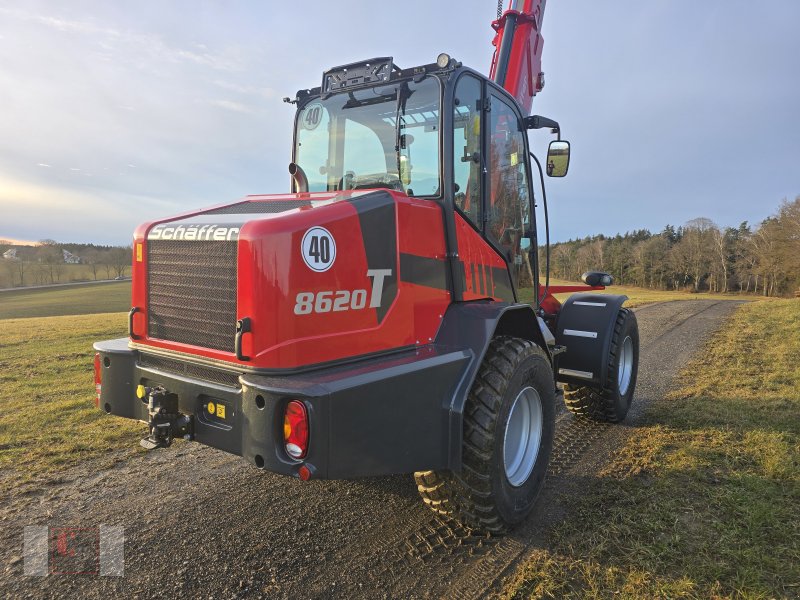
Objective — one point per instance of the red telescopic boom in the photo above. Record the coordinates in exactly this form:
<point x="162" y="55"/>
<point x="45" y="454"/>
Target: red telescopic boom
<point x="517" y="60"/>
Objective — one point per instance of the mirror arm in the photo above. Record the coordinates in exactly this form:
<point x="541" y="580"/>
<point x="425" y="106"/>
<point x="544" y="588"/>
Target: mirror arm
<point x="540" y="122"/>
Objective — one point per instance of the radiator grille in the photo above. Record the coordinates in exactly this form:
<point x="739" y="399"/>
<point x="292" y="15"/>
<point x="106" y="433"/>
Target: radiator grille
<point x="178" y="367"/>
<point x="191" y="288"/>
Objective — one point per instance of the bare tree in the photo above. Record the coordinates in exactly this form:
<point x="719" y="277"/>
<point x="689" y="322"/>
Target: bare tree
<point x="120" y="259"/>
<point x="697" y="244"/>
<point x="92" y="258"/>
<point x="52" y="260"/>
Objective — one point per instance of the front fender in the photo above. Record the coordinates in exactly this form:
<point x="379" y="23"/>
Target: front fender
<point x="471" y="326"/>
<point x="585" y="326"/>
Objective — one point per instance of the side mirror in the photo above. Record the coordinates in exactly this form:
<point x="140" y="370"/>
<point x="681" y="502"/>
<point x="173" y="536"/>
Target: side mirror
<point x="557" y="158"/>
<point x="594" y="278"/>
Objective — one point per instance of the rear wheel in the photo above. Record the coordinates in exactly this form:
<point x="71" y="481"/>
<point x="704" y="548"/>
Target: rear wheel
<point x="612" y="402"/>
<point x="509" y="420"/>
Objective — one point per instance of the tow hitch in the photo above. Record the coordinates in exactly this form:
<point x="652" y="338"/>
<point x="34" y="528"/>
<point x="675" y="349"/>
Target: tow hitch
<point x="165" y="422"/>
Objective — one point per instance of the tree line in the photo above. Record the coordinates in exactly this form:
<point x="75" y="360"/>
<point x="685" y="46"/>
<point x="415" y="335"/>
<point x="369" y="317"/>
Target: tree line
<point x="44" y="263"/>
<point x="699" y="256"/>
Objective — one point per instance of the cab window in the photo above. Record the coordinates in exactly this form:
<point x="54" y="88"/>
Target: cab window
<point x="467" y="148"/>
<point x="386" y="136"/>
<point x="508" y="206"/>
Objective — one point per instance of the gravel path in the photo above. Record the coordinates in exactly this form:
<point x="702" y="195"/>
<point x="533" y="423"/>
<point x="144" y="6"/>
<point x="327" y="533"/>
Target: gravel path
<point x="201" y="523"/>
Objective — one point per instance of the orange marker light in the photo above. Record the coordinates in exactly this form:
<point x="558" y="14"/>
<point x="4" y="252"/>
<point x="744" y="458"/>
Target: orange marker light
<point x="295" y="429"/>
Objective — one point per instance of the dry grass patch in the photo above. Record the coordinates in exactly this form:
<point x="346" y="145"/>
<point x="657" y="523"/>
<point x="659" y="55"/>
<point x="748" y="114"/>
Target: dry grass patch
<point x="640" y="296"/>
<point x="48" y="421"/>
<point x="704" y="500"/>
<point x="67" y="300"/>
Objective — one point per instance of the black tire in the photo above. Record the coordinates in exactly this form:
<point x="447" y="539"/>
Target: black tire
<point x="610" y="404"/>
<point x="481" y="495"/>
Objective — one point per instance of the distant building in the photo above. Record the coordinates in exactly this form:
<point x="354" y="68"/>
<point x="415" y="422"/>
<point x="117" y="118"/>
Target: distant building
<point x="70" y="258"/>
<point x="10" y="254"/>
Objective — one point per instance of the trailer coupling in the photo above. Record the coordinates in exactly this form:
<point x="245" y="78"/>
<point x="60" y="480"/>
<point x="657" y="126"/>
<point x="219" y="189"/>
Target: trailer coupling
<point x="164" y="420"/>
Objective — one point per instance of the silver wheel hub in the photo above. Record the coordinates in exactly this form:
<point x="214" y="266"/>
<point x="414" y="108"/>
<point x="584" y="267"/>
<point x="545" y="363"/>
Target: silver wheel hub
<point x="523" y="436"/>
<point x="625" y="366"/>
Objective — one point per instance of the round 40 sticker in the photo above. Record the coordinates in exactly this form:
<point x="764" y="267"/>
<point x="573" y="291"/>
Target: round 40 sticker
<point x="312" y="116"/>
<point x="319" y="249"/>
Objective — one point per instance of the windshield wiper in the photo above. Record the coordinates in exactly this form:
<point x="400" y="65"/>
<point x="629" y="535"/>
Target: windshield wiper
<point x="354" y="102"/>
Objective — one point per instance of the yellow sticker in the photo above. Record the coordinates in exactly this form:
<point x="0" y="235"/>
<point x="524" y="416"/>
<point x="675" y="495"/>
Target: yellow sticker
<point x="211" y="407"/>
<point x="139" y="252"/>
<point x="221" y="411"/>
<point x="514" y="159"/>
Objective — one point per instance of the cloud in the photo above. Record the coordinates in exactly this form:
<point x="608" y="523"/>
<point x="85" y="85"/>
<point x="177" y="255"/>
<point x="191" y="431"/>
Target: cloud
<point x="65" y="25"/>
<point x="661" y="131"/>
<point x="231" y="105"/>
<point x="35" y="211"/>
<point x="143" y="43"/>
<point x="250" y="90"/>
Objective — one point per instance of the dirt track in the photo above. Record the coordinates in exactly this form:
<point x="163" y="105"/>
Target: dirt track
<point x="202" y="523"/>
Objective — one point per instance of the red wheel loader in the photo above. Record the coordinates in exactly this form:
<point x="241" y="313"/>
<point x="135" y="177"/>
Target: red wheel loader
<point x="370" y="321"/>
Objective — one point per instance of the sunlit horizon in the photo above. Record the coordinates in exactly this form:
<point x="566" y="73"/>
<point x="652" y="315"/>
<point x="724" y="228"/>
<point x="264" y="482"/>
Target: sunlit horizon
<point x="112" y="114"/>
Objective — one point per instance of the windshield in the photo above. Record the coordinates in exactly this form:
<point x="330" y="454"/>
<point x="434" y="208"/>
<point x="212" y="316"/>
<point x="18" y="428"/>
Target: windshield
<point x="352" y="140"/>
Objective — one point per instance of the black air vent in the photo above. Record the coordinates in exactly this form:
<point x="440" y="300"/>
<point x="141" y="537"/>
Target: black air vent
<point x="191" y="292"/>
<point x="179" y="367"/>
<point x="253" y="208"/>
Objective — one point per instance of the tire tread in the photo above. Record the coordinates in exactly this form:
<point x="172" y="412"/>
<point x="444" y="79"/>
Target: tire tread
<point x="467" y="496"/>
<point x="599" y="405"/>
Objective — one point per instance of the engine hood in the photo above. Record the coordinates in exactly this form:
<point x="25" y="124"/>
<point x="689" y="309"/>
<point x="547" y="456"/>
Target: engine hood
<point x="293" y="280"/>
<point x="224" y="223"/>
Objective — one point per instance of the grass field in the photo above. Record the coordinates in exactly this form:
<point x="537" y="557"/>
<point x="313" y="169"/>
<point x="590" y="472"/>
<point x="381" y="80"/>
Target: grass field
<point x="704" y="501"/>
<point x="69" y="273"/>
<point x="67" y="300"/>
<point x="560" y="163"/>
<point x="116" y="297"/>
<point x="640" y="296"/>
<point x="48" y="420"/>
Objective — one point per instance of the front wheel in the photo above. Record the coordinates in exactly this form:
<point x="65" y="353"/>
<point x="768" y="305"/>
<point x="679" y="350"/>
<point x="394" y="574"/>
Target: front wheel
<point x="509" y="420"/>
<point x="612" y="402"/>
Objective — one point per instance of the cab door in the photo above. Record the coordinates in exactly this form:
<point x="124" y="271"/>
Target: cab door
<point x="491" y="192"/>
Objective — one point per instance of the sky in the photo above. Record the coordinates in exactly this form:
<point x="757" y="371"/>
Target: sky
<point x="114" y="113"/>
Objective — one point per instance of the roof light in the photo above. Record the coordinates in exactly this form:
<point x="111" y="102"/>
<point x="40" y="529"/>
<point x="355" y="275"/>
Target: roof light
<point x="443" y="60"/>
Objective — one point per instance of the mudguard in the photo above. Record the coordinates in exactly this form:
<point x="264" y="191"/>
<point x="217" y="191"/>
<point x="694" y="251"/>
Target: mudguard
<point x="470" y="326"/>
<point x="585" y="326"/>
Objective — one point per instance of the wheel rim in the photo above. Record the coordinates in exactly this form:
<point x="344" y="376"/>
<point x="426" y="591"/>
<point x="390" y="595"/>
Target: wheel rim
<point x="625" y="369"/>
<point x="523" y="436"/>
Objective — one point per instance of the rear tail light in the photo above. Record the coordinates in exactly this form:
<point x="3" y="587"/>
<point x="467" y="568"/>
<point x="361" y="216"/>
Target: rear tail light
<point x="295" y="429"/>
<point x="98" y="377"/>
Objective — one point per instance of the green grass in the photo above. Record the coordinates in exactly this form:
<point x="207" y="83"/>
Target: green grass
<point x="34" y="276"/>
<point x="116" y="297"/>
<point x="640" y="296"/>
<point x="704" y="500"/>
<point x="67" y="300"/>
<point x="48" y="421"/>
<point x="560" y="162"/>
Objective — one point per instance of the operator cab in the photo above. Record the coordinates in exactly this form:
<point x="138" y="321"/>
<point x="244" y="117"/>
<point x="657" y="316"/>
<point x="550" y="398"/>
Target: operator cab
<point x="441" y="132"/>
<point x="370" y="126"/>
